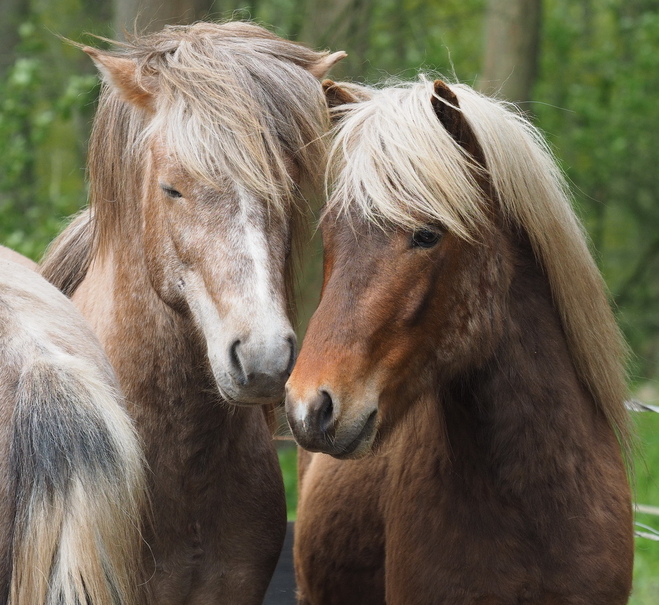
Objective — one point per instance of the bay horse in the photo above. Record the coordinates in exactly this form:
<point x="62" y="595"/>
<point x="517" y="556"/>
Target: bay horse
<point x="184" y="266"/>
<point x="462" y="380"/>
<point x="72" y="471"/>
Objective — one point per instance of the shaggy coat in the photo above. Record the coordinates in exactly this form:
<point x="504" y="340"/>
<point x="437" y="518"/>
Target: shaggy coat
<point x="184" y="267"/>
<point x="464" y="340"/>
<point x="72" y="479"/>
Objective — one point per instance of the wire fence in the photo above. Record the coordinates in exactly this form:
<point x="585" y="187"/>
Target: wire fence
<point x="647" y="532"/>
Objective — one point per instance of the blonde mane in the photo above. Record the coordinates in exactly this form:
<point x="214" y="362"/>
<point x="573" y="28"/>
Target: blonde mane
<point x="392" y="161"/>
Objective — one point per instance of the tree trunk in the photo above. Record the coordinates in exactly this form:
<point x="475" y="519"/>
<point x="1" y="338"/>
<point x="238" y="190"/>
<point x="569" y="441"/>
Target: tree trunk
<point x="151" y="15"/>
<point x="339" y="25"/>
<point x="512" y="43"/>
<point x="13" y="12"/>
<point x="326" y="23"/>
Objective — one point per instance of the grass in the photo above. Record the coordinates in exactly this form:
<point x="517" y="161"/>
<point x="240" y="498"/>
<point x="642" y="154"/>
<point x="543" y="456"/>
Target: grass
<point x="287" y="451"/>
<point x="646" y="563"/>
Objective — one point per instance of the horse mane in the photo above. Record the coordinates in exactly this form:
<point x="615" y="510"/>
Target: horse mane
<point x="68" y="256"/>
<point x="233" y="103"/>
<point x="393" y="162"/>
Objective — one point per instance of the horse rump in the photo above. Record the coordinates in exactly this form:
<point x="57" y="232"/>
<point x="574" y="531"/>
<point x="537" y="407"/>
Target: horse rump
<point x="76" y="473"/>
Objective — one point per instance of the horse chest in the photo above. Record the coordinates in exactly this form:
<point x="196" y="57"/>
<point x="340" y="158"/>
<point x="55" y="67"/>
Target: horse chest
<point x="207" y="488"/>
<point x="455" y="535"/>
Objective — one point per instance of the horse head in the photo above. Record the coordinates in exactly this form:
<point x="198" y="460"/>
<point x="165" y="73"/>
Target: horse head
<point x="440" y="197"/>
<point x="404" y="296"/>
<point x="208" y="131"/>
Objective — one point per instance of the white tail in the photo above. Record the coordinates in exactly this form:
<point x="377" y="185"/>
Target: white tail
<point x="78" y="478"/>
<point x="74" y="490"/>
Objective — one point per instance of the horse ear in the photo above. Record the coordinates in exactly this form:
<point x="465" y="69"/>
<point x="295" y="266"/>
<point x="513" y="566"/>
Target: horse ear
<point x="322" y="67"/>
<point x="335" y="95"/>
<point x="121" y="73"/>
<point x="447" y="108"/>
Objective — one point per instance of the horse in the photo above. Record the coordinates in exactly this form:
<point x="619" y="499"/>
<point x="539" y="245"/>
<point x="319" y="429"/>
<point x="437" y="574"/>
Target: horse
<point x="204" y="139"/>
<point x="461" y="384"/>
<point x="72" y="471"/>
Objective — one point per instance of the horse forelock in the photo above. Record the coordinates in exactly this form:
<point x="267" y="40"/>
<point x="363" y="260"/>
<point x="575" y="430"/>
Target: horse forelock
<point x="236" y="101"/>
<point x="392" y="162"/>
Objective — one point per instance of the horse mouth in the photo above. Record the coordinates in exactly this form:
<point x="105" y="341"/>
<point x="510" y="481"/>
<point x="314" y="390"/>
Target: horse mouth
<point x="360" y="445"/>
<point x="235" y="394"/>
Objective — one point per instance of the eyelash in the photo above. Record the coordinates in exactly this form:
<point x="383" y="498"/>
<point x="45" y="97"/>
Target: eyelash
<point x="172" y="193"/>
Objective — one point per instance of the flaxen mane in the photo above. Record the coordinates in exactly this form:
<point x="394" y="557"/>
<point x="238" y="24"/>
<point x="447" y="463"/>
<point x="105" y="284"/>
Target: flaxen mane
<point x="393" y="162"/>
<point x="221" y="108"/>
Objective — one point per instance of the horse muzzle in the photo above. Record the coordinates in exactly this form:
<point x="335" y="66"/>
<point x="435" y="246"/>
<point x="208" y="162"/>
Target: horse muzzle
<point x="319" y="425"/>
<point x="255" y="372"/>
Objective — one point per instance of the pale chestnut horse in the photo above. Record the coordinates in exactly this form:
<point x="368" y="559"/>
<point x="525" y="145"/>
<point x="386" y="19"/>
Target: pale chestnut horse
<point x="463" y="371"/>
<point x="184" y="267"/>
<point x="72" y="472"/>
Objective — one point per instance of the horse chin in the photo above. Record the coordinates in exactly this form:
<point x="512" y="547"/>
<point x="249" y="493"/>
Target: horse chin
<point x="234" y="394"/>
<point x="362" y="445"/>
<point x="364" y="448"/>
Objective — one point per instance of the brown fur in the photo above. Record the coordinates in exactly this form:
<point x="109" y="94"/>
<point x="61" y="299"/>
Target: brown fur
<point x="69" y="255"/>
<point x="194" y="195"/>
<point x="496" y="479"/>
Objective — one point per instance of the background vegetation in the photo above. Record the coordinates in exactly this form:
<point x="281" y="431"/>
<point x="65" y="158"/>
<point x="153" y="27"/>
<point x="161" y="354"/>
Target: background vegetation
<point x="587" y="72"/>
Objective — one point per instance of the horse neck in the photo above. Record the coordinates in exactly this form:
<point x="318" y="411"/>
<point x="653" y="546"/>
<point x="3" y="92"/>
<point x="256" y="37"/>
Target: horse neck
<point x="523" y="417"/>
<point x="148" y="343"/>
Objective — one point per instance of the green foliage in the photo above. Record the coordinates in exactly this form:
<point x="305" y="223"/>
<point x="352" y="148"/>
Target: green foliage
<point x="44" y="113"/>
<point x="287" y="451"/>
<point x="415" y="35"/>
<point x="597" y="100"/>
<point x="646" y="563"/>
<point x="388" y="37"/>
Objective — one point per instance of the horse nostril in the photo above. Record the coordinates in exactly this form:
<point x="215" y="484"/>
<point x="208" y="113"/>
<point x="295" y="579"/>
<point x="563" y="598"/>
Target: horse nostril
<point x="325" y="412"/>
<point x="236" y="363"/>
<point x="293" y="355"/>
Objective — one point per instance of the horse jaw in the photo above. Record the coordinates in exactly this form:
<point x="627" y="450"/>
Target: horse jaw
<point x="250" y="349"/>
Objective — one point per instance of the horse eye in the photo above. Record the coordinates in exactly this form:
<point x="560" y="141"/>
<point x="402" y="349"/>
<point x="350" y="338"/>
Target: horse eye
<point x="425" y="238"/>
<point x="169" y="192"/>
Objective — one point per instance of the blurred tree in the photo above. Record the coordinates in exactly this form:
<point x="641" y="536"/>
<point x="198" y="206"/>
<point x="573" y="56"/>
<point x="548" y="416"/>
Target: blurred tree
<point x="13" y="12"/>
<point x="339" y="25"/>
<point x="326" y="23"/>
<point x="46" y="97"/>
<point x="598" y="86"/>
<point x="512" y="44"/>
<point x="151" y="15"/>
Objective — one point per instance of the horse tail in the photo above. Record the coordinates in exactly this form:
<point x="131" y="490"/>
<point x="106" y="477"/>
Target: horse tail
<point x="78" y="482"/>
<point x="68" y="257"/>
